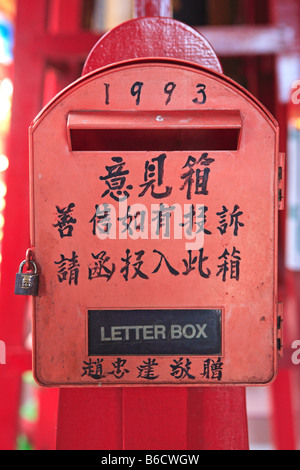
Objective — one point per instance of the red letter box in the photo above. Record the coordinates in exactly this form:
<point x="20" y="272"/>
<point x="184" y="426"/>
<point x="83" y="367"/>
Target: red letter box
<point x="154" y="190"/>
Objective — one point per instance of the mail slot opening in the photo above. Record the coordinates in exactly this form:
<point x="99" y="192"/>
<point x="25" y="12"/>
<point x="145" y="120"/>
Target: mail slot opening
<point x="154" y="139"/>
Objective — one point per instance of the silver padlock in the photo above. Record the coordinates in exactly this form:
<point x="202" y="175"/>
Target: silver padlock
<point x="27" y="283"/>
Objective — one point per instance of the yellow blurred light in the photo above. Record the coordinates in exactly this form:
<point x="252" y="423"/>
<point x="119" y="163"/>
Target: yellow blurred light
<point x="3" y="189"/>
<point x="4" y="163"/>
<point x="2" y="203"/>
<point x="1" y="221"/>
<point x="296" y="123"/>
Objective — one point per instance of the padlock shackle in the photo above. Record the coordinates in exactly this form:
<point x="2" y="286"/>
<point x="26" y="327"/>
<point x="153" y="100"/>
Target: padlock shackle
<point x="31" y="262"/>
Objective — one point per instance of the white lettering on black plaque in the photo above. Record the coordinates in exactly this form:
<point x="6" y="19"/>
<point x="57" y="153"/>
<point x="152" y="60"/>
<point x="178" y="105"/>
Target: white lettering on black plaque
<point x="164" y="332"/>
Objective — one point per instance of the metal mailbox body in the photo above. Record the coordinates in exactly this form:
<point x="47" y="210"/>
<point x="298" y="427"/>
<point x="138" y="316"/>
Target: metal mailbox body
<point x="127" y="163"/>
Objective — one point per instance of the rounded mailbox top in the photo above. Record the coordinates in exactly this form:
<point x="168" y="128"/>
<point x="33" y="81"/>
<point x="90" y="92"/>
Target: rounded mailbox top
<point x="152" y="37"/>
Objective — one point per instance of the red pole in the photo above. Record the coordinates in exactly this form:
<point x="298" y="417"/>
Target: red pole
<point x="90" y="419"/>
<point x="26" y="104"/>
<point x="152" y="8"/>
<point x="282" y="412"/>
<point x="285" y="13"/>
<point x="217" y="419"/>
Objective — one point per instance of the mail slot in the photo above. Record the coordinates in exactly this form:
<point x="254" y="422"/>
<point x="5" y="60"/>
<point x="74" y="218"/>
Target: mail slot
<point x="121" y="131"/>
<point x="154" y="200"/>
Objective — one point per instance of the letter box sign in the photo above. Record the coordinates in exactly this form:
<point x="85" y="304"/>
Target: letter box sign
<point x="154" y="187"/>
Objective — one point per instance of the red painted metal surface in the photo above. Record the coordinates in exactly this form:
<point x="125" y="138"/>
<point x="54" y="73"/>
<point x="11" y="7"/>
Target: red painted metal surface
<point x="248" y="347"/>
<point x="152" y="37"/>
